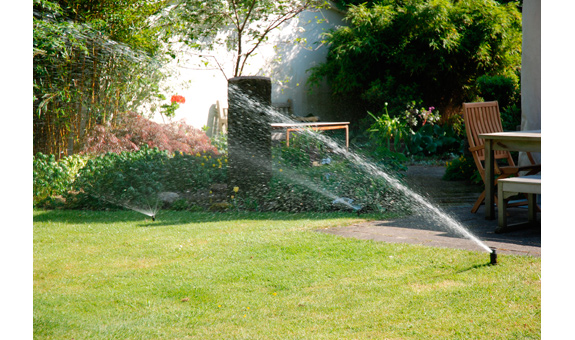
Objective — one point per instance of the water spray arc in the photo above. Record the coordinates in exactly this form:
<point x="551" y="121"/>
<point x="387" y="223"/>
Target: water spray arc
<point x="249" y="135"/>
<point x="372" y="169"/>
<point x="150" y="206"/>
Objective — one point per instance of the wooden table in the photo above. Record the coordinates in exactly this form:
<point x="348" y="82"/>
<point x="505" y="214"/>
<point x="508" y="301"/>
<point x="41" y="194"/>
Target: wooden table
<point x="528" y="141"/>
<point x="314" y="126"/>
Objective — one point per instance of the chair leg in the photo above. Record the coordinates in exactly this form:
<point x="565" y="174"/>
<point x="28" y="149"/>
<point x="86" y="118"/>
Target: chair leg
<point x="478" y="203"/>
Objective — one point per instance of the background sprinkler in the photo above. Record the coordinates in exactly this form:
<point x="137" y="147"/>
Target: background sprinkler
<point x="347" y="202"/>
<point x="493" y="256"/>
<point x="153" y="218"/>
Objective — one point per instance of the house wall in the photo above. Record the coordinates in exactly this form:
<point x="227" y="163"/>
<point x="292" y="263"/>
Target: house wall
<point x="203" y="76"/>
<point x="531" y="69"/>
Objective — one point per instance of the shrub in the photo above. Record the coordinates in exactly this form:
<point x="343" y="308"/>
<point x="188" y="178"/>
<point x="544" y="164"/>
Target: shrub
<point x="190" y="172"/>
<point x="415" y="132"/>
<point x="121" y="179"/>
<point x="500" y="88"/>
<point x="133" y="131"/>
<point x="432" y="51"/>
<point x="136" y="178"/>
<point x="506" y="91"/>
<point x="302" y="186"/>
<point x="54" y="178"/>
<point x="462" y="168"/>
<point x="511" y="117"/>
<point x="434" y="140"/>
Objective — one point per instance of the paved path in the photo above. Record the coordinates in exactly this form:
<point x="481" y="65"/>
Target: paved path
<point x="456" y="199"/>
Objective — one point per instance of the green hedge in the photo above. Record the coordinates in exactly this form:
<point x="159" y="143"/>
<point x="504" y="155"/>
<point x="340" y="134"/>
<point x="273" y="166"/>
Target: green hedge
<point x="306" y="177"/>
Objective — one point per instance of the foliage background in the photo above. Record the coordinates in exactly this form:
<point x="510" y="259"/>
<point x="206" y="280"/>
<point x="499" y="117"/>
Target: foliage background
<point x="239" y="25"/>
<point x="93" y="61"/>
<point x="428" y="51"/>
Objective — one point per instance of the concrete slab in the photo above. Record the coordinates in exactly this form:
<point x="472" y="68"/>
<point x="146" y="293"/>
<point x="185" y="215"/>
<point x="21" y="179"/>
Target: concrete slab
<point x="417" y="229"/>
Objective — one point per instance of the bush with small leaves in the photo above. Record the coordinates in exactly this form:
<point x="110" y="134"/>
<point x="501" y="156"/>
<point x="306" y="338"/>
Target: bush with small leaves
<point x="54" y="178"/>
<point x="133" y="131"/>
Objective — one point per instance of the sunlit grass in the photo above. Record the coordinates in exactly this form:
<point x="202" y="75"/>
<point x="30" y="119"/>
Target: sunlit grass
<point x="118" y="275"/>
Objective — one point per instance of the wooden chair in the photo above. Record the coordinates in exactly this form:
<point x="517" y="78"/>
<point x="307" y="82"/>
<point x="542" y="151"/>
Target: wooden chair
<point x="484" y="117"/>
<point x="285" y="108"/>
<point x="220" y="123"/>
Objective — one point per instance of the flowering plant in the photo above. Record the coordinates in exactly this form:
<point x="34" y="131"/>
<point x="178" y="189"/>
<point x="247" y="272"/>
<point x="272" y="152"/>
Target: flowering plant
<point x="390" y="131"/>
<point x="419" y="117"/>
<point x="175" y="101"/>
<point x="178" y="99"/>
<point x="414" y="132"/>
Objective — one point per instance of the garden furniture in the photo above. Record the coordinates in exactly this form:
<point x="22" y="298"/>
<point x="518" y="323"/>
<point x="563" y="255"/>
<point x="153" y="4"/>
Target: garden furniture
<point x="285" y="108"/>
<point x="488" y="144"/>
<point x="531" y="185"/>
<point x="316" y="126"/>
<point x="220" y="122"/>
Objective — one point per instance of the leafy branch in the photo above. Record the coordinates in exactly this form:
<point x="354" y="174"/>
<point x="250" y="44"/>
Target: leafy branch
<point x="241" y="25"/>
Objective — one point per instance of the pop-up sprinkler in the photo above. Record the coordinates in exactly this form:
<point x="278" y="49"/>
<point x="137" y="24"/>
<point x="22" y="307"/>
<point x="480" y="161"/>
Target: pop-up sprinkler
<point x="153" y="218"/>
<point x="347" y="202"/>
<point x="493" y="256"/>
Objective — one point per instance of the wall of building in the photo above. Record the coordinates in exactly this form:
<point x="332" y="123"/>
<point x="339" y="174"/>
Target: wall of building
<point x="531" y="69"/>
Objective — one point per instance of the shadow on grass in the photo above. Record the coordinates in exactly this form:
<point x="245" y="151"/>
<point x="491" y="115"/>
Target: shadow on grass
<point x="168" y="218"/>
<point x="451" y="273"/>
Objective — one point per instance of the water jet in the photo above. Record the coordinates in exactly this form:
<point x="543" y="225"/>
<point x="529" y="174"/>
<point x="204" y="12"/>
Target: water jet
<point x="239" y="99"/>
<point x="249" y="134"/>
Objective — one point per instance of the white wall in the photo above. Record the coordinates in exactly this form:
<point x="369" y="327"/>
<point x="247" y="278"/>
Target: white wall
<point x="531" y="70"/>
<point x="281" y="58"/>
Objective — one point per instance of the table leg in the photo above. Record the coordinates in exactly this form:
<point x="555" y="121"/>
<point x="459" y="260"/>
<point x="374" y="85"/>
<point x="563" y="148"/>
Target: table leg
<point x="532" y="207"/>
<point x="501" y="208"/>
<point x="489" y="179"/>
<point x="347" y="137"/>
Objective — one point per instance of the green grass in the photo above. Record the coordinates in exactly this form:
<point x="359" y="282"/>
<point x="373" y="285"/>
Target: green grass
<point x="117" y="275"/>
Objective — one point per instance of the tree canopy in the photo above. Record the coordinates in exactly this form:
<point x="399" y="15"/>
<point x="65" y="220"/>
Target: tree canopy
<point x="431" y="51"/>
<point x="93" y="61"/>
<point x="240" y="25"/>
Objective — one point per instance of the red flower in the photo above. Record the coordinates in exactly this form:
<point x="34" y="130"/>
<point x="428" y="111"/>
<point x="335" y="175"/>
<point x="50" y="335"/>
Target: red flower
<point x="178" y="99"/>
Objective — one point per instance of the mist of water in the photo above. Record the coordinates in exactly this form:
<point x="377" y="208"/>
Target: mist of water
<point x="148" y="206"/>
<point x="421" y="204"/>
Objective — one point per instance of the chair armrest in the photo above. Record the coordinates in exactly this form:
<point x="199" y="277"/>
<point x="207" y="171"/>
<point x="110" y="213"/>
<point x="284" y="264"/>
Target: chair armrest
<point x="477" y="148"/>
<point x="516" y="169"/>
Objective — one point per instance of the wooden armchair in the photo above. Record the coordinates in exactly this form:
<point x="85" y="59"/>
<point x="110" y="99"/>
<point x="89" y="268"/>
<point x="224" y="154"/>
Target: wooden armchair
<point x="220" y="123"/>
<point x="484" y="117"/>
<point x="285" y="108"/>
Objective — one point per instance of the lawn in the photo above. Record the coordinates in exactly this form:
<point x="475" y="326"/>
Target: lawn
<point x="118" y="275"/>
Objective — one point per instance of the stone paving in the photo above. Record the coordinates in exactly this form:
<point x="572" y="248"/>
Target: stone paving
<point x="456" y="199"/>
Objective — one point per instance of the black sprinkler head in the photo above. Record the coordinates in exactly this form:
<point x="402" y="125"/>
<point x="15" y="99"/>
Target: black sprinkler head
<point x="493" y="256"/>
<point x="153" y="218"/>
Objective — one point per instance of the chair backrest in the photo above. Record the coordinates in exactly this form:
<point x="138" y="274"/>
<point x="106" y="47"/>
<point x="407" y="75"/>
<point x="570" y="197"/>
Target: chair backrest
<point x="483" y="117"/>
<point x="284" y="108"/>
<point x="221" y="118"/>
